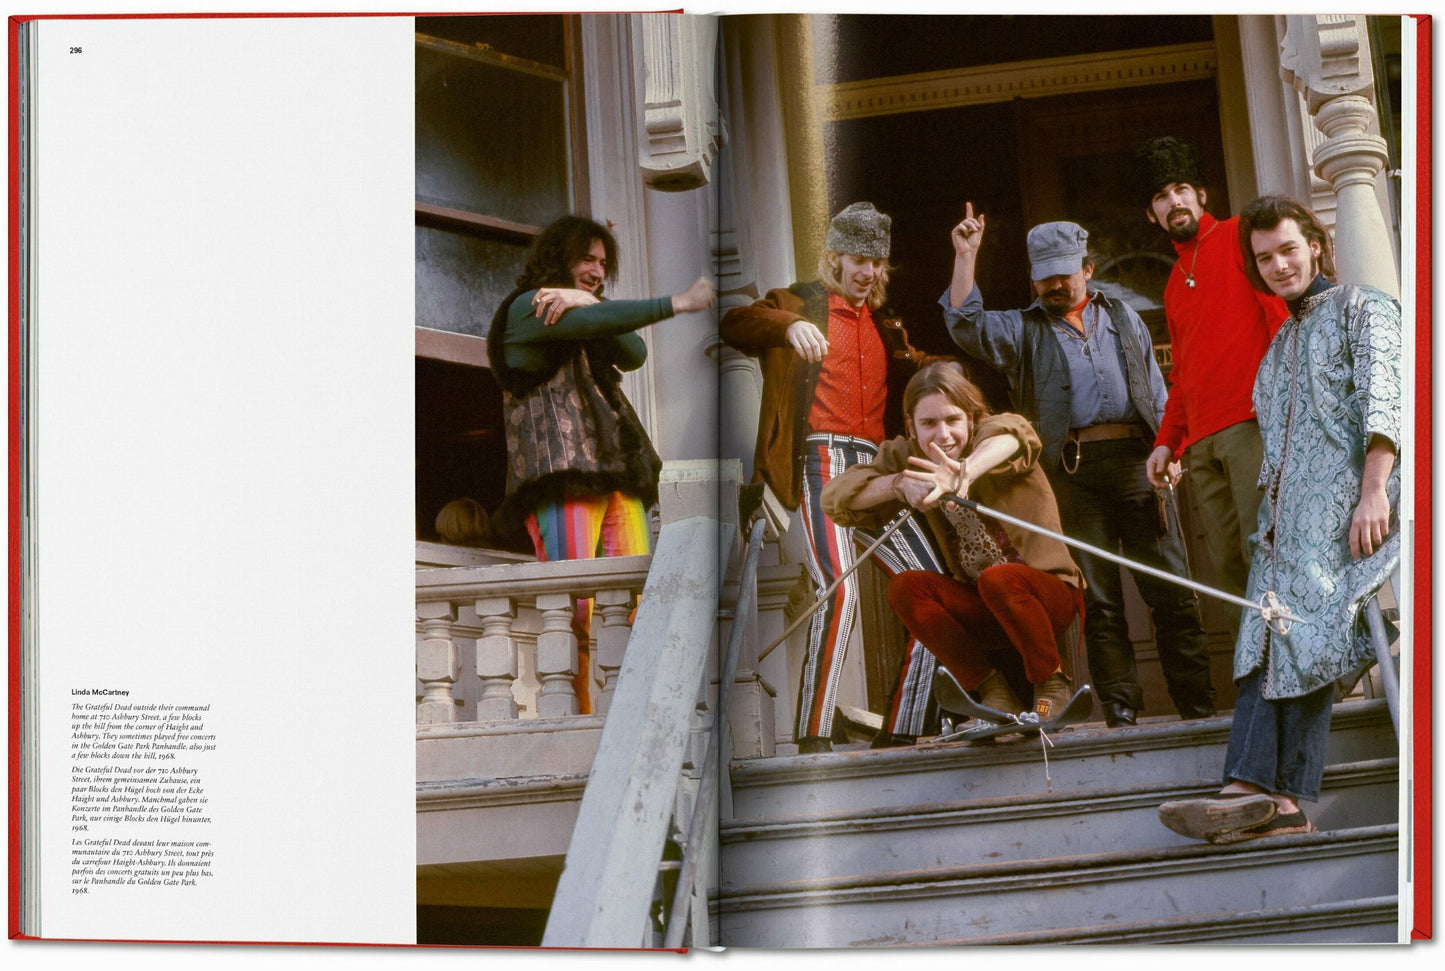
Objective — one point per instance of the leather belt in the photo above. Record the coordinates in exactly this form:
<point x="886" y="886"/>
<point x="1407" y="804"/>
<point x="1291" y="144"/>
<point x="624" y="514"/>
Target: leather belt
<point x="1107" y="432"/>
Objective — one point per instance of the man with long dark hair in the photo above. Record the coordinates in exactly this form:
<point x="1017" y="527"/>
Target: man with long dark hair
<point x="581" y="471"/>
<point x="1329" y="397"/>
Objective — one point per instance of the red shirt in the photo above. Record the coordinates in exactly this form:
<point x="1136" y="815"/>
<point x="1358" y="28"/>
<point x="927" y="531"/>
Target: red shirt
<point x="1219" y="329"/>
<point x="853" y="379"/>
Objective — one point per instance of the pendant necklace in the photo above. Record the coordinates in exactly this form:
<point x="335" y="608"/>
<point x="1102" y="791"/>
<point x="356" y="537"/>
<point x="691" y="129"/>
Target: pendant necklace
<point x="1083" y="333"/>
<point x="1189" y="274"/>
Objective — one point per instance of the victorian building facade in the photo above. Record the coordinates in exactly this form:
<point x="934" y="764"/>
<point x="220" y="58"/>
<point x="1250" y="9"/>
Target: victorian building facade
<point x="727" y="143"/>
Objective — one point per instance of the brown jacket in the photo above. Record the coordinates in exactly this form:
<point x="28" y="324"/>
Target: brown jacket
<point x="1016" y="486"/>
<point x="761" y="330"/>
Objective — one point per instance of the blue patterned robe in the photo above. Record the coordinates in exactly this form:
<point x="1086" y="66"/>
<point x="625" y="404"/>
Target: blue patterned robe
<point x="1330" y="379"/>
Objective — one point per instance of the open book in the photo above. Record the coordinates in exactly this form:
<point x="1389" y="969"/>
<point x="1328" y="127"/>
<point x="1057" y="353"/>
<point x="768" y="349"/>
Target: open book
<point x="265" y="463"/>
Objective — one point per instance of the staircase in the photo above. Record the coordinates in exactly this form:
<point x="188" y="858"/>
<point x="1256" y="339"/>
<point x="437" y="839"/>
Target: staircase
<point x="980" y="844"/>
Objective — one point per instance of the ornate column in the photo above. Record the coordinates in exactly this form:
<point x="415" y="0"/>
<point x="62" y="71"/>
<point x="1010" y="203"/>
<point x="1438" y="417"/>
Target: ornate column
<point x="1326" y="58"/>
<point x="739" y="384"/>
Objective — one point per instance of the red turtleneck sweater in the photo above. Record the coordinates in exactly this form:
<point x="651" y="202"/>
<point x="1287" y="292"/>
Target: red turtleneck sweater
<point x="1219" y="329"/>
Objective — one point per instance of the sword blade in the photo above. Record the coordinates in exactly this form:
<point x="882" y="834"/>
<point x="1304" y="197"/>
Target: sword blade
<point x="1164" y="575"/>
<point x="898" y="521"/>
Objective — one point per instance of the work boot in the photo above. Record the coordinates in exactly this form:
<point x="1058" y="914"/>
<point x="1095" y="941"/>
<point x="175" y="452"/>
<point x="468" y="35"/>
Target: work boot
<point x="887" y="739"/>
<point x="1051" y="696"/>
<point x="994" y="692"/>
<point x="1196" y="709"/>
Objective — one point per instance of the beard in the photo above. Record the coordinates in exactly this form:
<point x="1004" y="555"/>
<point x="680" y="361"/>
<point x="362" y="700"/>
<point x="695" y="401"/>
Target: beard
<point x="1184" y="233"/>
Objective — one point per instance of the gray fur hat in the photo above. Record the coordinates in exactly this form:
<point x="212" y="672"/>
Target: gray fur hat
<point x="860" y="230"/>
<point x="1163" y="160"/>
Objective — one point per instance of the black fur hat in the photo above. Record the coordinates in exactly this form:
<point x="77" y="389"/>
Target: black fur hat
<point x="1164" y="160"/>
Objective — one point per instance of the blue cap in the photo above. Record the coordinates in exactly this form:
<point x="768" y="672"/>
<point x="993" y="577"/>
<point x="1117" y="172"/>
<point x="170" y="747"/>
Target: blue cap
<point x="1057" y="249"/>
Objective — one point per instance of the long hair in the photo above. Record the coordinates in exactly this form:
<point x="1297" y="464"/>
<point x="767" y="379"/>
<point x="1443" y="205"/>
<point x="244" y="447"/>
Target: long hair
<point x="549" y="264"/>
<point x="561" y="246"/>
<point x="945" y="377"/>
<point x="1266" y="213"/>
<point x="828" y="274"/>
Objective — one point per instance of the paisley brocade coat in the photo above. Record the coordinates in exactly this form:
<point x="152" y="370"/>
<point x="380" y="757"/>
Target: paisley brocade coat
<point x="1330" y="380"/>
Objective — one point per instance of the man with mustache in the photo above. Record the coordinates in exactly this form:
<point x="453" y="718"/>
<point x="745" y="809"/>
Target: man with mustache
<point x="1081" y="368"/>
<point x="1219" y="327"/>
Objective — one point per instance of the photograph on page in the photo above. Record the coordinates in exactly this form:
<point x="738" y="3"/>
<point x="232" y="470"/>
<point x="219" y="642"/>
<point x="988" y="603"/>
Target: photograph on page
<point x="1084" y="515"/>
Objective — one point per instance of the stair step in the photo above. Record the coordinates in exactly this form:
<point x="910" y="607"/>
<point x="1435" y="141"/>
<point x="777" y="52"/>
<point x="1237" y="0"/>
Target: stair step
<point x="1011" y="828"/>
<point x="992" y="900"/>
<point x="1083" y="758"/>
<point x="1372" y="920"/>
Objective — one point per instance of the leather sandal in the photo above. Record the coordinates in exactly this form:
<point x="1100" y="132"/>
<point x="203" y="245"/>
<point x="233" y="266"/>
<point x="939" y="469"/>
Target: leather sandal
<point x="1212" y="816"/>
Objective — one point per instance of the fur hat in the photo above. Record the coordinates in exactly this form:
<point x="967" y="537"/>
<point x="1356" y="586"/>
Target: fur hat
<point x="1163" y="160"/>
<point x="860" y="230"/>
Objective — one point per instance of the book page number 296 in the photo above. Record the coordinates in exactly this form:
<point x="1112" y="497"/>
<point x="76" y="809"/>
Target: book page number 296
<point x="75" y="50"/>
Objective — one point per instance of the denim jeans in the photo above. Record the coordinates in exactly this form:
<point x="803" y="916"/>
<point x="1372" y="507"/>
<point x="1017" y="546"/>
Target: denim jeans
<point x="1109" y="503"/>
<point x="1279" y="744"/>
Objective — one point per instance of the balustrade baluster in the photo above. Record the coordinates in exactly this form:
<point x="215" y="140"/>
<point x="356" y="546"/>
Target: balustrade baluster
<point x="436" y="663"/>
<point x="615" y="606"/>
<point x="496" y="659"/>
<point x="556" y="656"/>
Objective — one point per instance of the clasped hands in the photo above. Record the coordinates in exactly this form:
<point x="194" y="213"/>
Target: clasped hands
<point x="924" y="486"/>
<point x="553" y="302"/>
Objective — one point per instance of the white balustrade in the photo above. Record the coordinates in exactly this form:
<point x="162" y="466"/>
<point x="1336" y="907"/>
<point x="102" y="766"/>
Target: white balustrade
<point x="524" y="624"/>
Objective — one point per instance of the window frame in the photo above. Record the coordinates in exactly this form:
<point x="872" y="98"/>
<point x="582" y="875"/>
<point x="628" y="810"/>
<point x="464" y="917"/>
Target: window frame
<point x="467" y="348"/>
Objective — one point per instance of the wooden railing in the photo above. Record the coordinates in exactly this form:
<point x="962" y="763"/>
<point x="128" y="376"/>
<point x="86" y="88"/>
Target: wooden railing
<point x="608" y="888"/>
<point x="519" y="619"/>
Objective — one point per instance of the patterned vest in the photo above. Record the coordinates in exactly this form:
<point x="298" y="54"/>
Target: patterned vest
<point x="573" y="433"/>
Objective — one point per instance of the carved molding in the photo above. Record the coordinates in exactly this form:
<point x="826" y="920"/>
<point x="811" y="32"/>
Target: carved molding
<point x="679" y="115"/>
<point x="1326" y="56"/>
<point x="991" y="83"/>
<point x="1326" y="59"/>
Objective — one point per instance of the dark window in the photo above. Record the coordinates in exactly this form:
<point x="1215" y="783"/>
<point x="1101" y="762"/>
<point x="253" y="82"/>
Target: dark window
<point x="497" y="158"/>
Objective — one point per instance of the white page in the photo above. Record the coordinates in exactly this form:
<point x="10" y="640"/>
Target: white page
<point x="225" y="243"/>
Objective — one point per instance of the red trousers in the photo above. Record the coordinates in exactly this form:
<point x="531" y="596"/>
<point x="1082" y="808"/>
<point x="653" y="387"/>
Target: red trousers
<point x="1012" y="605"/>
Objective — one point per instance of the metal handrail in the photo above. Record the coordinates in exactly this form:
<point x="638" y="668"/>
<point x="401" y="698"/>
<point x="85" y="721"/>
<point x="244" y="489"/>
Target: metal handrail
<point x="680" y="911"/>
<point x="1389" y="677"/>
